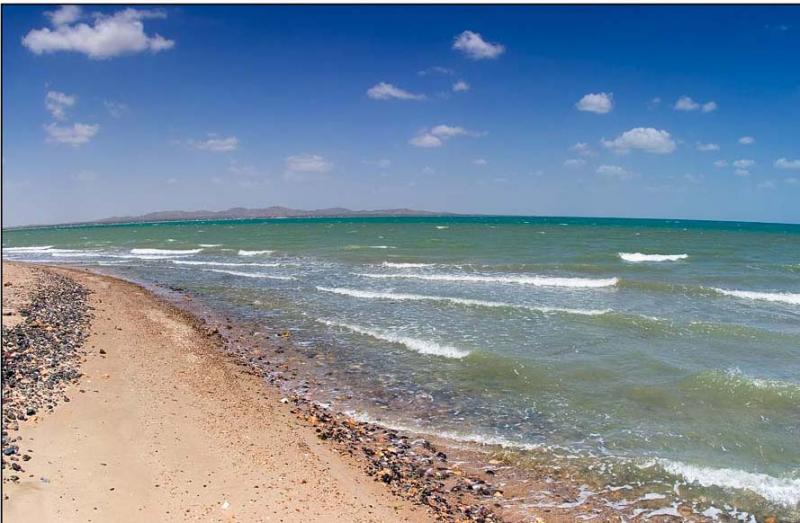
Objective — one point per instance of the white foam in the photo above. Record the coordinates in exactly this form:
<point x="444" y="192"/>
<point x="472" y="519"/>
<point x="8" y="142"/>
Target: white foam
<point x="785" y="491"/>
<point x="242" y="252"/>
<point x="165" y="251"/>
<point x="209" y="244"/>
<point x="415" y="344"/>
<point x="638" y="257"/>
<point x="459" y="301"/>
<point x="780" y="297"/>
<point x="224" y="264"/>
<point x="253" y="274"/>
<point x="406" y="265"/>
<point x="33" y="248"/>
<point x="539" y="281"/>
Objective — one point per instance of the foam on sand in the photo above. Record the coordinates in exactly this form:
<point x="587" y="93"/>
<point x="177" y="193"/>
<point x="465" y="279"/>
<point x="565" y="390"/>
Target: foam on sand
<point x="242" y="252"/>
<point x="415" y="344"/>
<point x="779" y="297"/>
<point x="785" y="491"/>
<point x="539" y="281"/>
<point x="638" y="257"/>
<point x="458" y="301"/>
<point x="253" y="274"/>
<point x="166" y="251"/>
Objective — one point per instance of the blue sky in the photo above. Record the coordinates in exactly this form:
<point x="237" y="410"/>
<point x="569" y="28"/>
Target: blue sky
<point x="467" y="109"/>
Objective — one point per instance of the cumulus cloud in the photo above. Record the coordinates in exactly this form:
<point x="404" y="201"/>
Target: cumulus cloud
<point x="107" y="36"/>
<point x="216" y="144"/>
<point x="614" y="171"/>
<point x="436" y="136"/>
<point x="789" y="165"/>
<point x="474" y="46"/>
<point x="645" y="139"/>
<point x="460" y="86"/>
<point x="57" y="103"/>
<point x="574" y="163"/>
<point x="686" y="103"/>
<point x="386" y="91"/>
<point x="599" y="103"/>
<point x="308" y="163"/>
<point x="707" y="147"/>
<point x="74" y="135"/>
<point x="747" y="140"/>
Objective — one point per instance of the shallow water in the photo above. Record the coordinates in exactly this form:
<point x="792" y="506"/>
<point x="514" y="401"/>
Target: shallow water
<point x="670" y="349"/>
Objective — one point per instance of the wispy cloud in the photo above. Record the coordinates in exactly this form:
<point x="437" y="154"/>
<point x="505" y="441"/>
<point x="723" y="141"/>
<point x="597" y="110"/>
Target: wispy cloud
<point x="216" y="144"/>
<point x="74" y="135"/>
<point x="645" y="139"/>
<point x="105" y="37"/>
<point x="383" y="163"/>
<point x="582" y="149"/>
<point x="480" y="161"/>
<point x="57" y="103"/>
<point x="436" y="136"/>
<point x="115" y="109"/>
<point x="436" y="69"/>
<point x="474" y="46"/>
<point x="460" y="86"/>
<point x="614" y="171"/>
<point x="747" y="140"/>
<point x="574" y="163"/>
<point x="600" y="103"/>
<point x="308" y="163"/>
<point x="789" y="165"/>
<point x="386" y="91"/>
<point x="707" y="147"/>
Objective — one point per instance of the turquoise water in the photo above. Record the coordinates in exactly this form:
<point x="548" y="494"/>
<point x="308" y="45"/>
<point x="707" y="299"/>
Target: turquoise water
<point x="558" y="335"/>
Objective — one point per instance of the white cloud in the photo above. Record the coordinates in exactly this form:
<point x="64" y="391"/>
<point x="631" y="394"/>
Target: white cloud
<point x="66" y="14"/>
<point x="308" y="163"/>
<point x="747" y="140"/>
<point x="743" y="164"/>
<point x="574" y="163"/>
<point x="57" y="103"/>
<point x="768" y="184"/>
<point x="428" y="170"/>
<point x="693" y="178"/>
<point x="785" y="163"/>
<point x="425" y="140"/>
<point x="707" y="147"/>
<point x="474" y="46"/>
<point x="710" y="107"/>
<point x="115" y="109"/>
<point x="599" y="103"/>
<point x="216" y="145"/>
<point x="386" y="91"/>
<point x="460" y="86"/>
<point x="721" y="163"/>
<point x="614" y="171"/>
<point x="480" y="161"/>
<point x="75" y="135"/>
<point x="436" y="136"/>
<point x="646" y="139"/>
<point x="436" y="69"/>
<point x="685" y="103"/>
<point x="582" y="149"/>
<point x="109" y="36"/>
<point x="655" y="102"/>
<point x="741" y="172"/>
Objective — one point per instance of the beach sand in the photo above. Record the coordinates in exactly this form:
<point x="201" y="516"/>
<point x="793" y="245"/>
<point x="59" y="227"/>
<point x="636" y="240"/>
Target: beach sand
<point x="163" y="426"/>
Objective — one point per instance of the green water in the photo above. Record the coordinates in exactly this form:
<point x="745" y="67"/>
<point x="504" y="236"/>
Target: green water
<point x="534" y="333"/>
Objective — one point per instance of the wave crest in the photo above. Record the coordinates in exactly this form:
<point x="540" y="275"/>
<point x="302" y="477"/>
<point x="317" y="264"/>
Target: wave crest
<point x="638" y="257"/>
<point x="779" y="297"/>
<point x="539" y="281"/>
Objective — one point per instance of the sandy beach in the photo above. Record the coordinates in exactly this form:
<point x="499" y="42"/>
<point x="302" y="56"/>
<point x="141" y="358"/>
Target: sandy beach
<point x="163" y="427"/>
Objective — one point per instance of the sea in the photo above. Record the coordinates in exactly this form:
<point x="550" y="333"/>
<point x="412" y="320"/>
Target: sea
<point x="659" y="356"/>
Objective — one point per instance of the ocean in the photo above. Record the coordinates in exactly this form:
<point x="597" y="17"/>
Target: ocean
<point x="657" y="353"/>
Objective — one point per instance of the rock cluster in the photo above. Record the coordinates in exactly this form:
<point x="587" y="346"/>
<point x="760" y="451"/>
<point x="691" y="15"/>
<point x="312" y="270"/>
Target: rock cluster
<point x="41" y="355"/>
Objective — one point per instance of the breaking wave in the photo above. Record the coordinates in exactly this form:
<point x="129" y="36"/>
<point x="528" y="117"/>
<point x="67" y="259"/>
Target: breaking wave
<point x="539" y="281"/>
<point x="779" y="297"/>
<point x="253" y="274"/>
<point x="637" y="257"/>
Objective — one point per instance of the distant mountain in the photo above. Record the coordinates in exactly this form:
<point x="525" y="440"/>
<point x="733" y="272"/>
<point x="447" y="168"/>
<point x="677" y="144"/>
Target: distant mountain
<point x="239" y="213"/>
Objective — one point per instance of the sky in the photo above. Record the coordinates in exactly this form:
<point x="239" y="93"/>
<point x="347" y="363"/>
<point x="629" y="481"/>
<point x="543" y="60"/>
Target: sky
<point x="629" y="111"/>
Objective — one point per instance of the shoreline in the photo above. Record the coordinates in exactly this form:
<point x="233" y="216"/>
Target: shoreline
<point x="469" y="481"/>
